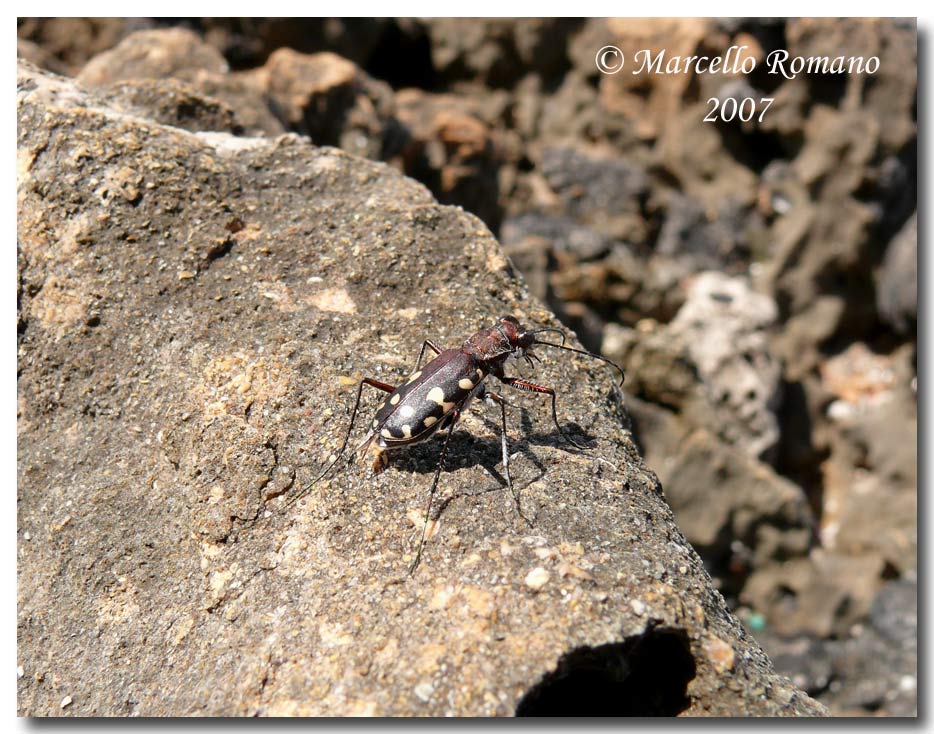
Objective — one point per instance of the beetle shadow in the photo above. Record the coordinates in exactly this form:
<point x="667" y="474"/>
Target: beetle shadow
<point x="464" y="451"/>
<point x="553" y="438"/>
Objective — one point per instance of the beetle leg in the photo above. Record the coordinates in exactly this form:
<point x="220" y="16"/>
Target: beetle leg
<point x="431" y="345"/>
<point x="353" y="417"/>
<point x="431" y="492"/>
<point x="501" y="401"/>
<point x="516" y="383"/>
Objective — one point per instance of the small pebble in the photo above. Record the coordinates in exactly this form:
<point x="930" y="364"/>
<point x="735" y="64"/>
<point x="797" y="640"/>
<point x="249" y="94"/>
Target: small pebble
<point x="637" y="606"/>
<point x="66" y="701"/>
<point x="424" y="691"/>
<point x="536" y="578"/>
<point x="20" y="672"/>
<point x="720" y="653"/>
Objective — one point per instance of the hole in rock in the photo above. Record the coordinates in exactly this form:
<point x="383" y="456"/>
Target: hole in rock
<point x="644" y="675"/>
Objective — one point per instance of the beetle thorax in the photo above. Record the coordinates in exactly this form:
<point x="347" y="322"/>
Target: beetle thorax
<point x="488" y="344"/>
<point x="507" y="339"/>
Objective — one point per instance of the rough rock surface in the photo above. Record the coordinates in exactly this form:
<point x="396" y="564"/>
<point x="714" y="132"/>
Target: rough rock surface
<point x="452" y="151"/>
<point x="173" y="102"/>
<point x="737" y="512"/>
<point x="155" y="54"/>
<point x="332" y="101"/>
<point x="73" y="41"/>
<point x="188" y="306"/>
<point x="183" y="81"/>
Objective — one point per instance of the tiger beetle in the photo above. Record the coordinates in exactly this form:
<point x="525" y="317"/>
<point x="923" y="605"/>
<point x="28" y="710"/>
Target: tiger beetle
<point x="434" y="397"/>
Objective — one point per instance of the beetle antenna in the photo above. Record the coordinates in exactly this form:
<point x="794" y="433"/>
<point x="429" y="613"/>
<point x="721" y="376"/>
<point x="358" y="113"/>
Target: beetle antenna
<point x="622" y="375"/>
<point x="564" y="336"/>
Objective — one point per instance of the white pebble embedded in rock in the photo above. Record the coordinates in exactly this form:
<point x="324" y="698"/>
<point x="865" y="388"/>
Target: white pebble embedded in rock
<point x="424" y="691"/>
<point x="536" y="578"/>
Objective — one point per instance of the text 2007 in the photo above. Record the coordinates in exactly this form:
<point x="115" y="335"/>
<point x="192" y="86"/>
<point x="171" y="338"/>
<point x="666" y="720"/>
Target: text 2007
<point x="731" y="108"/>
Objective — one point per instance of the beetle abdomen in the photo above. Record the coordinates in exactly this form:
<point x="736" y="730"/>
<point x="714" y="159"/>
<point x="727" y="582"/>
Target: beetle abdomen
<point x="420" y="406"/>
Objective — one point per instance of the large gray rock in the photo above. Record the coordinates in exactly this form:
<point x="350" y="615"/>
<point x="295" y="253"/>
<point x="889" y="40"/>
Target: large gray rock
<point x="191" y="307"/>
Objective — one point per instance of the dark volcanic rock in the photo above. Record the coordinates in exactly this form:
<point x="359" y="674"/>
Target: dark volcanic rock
<point x="453" y="152"/>
<point x="173" y="102"/>
<point x="193" y="308"/>
<point x="333" y="101"/>
<point x="873" y="670"/>
<point x="154" y="54"/>
<point x="498" y="51"/>
<point x="837" y="191"/>
<point x="604" y="193"/>
<point x="39" y="55"/>
<point x="249" y="42"/>
<point x="173" y="77"/>
<point x="245" y="93"/>
<point x="737" y="512"/>
<point x="73" y="41"/>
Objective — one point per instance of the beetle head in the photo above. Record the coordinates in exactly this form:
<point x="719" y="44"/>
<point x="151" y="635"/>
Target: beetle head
<point x="510" y="339"/>
<point x="522" y="339"/>
<point x="519" y="337"/>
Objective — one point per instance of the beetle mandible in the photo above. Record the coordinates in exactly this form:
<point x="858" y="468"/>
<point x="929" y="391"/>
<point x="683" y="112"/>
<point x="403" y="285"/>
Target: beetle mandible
<point x="434" y="397"/>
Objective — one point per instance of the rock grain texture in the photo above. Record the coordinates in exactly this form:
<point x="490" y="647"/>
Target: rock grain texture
<point x="193" y="308"/>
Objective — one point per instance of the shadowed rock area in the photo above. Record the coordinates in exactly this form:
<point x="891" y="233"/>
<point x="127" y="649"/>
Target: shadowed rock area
<point x="193" y="310"/>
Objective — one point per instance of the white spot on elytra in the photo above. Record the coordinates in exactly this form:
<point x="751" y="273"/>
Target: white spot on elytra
<point x="414" y="376"/>
<point x="394" y="400"/>
<point x="430" y="421"/>
<point x="479" y="375"/>
<point x="375" y="422"/>
<point x="437" y="396"/>
<point x="465" y="384"/>
<point x="385" y="433"/>
<point x="407" y="430"/>
<point x="406" y="411"/>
